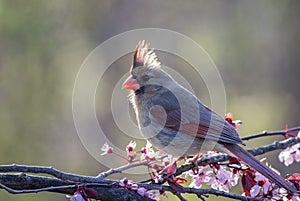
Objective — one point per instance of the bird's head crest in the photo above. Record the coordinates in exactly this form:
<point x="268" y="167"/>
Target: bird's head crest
<point x="144" y="56"/>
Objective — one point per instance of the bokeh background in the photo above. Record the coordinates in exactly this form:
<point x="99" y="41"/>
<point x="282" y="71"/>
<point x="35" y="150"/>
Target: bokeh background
<point x="255" y="45"/>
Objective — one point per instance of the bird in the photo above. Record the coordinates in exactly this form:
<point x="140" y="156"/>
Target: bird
<point x="175" y="121"/>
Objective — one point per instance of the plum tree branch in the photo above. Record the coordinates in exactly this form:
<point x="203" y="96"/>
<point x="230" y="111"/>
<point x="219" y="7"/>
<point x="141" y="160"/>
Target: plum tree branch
<point x="18" y="179"/>
<point x="106" y="189"/>
<point x="289" y="131"/>
<point x="224" y="157"/>
<point x="47" y="170"/>
<point x="22" y="183"/>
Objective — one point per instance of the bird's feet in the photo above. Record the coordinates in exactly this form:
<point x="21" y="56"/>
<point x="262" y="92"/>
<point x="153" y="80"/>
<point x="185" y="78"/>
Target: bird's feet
<point x="194" y="162"/>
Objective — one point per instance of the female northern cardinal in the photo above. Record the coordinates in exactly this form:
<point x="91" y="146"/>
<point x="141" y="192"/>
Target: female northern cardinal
<point x="175" y="121"/>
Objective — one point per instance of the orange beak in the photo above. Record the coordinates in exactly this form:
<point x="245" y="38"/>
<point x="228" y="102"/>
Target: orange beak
<point x="131" y="84"/>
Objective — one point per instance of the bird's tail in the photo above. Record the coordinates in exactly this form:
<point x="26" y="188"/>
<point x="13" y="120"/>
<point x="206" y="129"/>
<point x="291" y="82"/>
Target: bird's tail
<point x="253" y="162"/>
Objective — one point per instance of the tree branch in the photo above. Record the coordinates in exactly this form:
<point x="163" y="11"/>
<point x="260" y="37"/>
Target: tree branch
<point x="62" y="182"/>
<point x="47" y="170"/>
<point x="106" y="189"/>
<point x="224" y="157"/>
<point x="271" y="133"/>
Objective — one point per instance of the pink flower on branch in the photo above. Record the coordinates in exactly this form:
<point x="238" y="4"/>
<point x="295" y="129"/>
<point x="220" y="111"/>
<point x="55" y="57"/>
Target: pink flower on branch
<point x="110" y="150"/>
<point x="131" y="146"/>
<point x="128" y="184"/>
<point x="262" y="184"/>
<point x="224" y="179"/>
<point x="142" y="191"/>
<point x="290" y="154"/>
<point x="205" y="173"/>
<point x="148" y="153"/>
<point x="77" y="197"/>
<point x="106" y="149"/>
<point x="131" y="154"/>
<point x="216" y="176"/>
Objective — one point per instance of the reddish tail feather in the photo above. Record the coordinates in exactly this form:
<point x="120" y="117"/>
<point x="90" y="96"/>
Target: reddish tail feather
<point x="253" y="162"/>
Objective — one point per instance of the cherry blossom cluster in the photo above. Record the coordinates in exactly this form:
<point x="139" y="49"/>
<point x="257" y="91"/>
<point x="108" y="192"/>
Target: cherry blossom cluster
<point x="291" y="154"/>
<point x="157" y="161"/>
<point x="146" y="153"/>
<point x="258" y="186"/>
<point x="222" y="177"/>
<point x="216" y="176"/>
<point x="128" y="184"/>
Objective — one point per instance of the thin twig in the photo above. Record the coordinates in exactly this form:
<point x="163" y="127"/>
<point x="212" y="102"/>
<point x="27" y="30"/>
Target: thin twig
<point x="122" y="168"/>
<point x="201" y="197"/>
<point x="128" y="166"/>
<point x="271" y="133"/>
<point x="47" y="170"/>
<point x="50" y="188"/>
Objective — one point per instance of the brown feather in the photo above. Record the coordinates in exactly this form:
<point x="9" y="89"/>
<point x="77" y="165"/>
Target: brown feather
<point x="213" y="128"/>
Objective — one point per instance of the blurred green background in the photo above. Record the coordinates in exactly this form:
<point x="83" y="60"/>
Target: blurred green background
<point x="255" y="45"/>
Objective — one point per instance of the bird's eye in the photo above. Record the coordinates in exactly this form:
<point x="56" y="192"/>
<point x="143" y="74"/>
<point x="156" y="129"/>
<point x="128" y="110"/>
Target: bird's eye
<point x="145" y="77"/>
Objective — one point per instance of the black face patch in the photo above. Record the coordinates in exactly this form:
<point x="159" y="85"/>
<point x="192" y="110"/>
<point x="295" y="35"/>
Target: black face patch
<point x="140" y="91"/>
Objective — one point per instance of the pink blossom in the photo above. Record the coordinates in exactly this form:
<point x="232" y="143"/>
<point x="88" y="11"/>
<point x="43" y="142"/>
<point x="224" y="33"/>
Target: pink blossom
<point x="204" y="175"/>
<point x="144" y="150"/>
<point x="125" y="182"/>
<point x="131" y="154"/>
<point x="148" y="153"/>
<point x="263" y="182"/>
<point x="224" y="179"/>
<point x="152" y="194"/>
<point x="290" y="154"/>
<point x="295" y="198"/>
<point x="134" y="187"/>
<point x="106" y="149"/>
<point x="255" y="190"/>
<point x="218" y="178"/>
<point x="168" y="160"/>
<point x="131" y="146"/>
<point x="128" y="184"/>
<point x="77" y="197"/>
<point x="199" y="179"/>
<point x="141" y="191"/>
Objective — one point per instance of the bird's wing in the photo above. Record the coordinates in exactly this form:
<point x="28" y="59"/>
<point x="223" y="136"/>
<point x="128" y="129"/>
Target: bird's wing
<point x="210" y="125"/>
